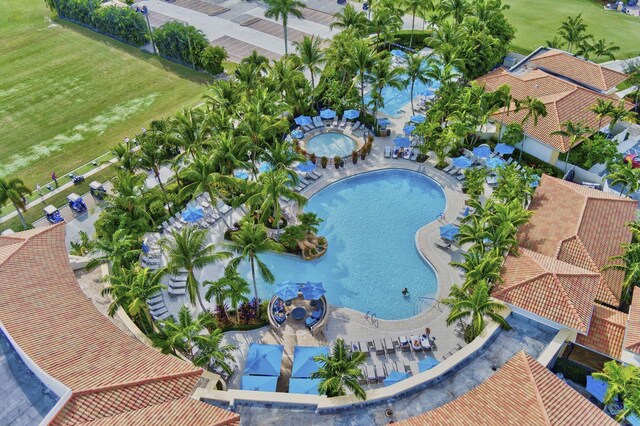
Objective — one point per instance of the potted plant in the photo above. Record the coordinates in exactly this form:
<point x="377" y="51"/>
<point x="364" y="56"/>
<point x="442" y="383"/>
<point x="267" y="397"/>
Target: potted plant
<point x="324" y="161"/>
<point x="336" y="161"/>
<point x="313" y="158"/>
<point x="354" y="157"/>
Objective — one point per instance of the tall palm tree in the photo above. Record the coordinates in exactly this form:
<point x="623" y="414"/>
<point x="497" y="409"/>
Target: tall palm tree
<point x="190" y="130"/>
<point x="503" y="98"/>
<point x="573" y="32"/>
<point x="576" y="132"/>
<point x="339" y="371"/>
<point x="535" y="109"/>
<point x="311" y="57"/>
<point x="130" y="289"/>
<point x="629" y="263"/>
<point x="384" y="75"/>
<point x="152" y="155"/>
<point x="248" y="243"/>
<point x="619" y="113"/>
<point x="363" y="58"/>
<point x="415" y="71"/>
<point x="602" y="109"/>
<point x="473" y="231"/>
<point x="121" y="249"/>
<point x="188" y="251"/>
<point x="350" y="19"/>
<point x="481" y="266"/>
<point x="14" y="190"/>
<point x="212" y="353"/>
<point x="622" y="381"/>
<point x="280" y="155"/>
<point x="281" y="9"/>
<point x="476" y="304"/>
<point x="413" y="6"/>
<point x="457" y="9"/>
<point x="385" y="22"/>
<point x="182" y="335"/>
<point x="627" y="176"/>
<point x="600" y="48"/>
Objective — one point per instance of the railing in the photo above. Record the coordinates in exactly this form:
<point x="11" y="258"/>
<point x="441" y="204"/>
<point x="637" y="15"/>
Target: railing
<point x="371" y="318"/>
<point x="423" y="300"/>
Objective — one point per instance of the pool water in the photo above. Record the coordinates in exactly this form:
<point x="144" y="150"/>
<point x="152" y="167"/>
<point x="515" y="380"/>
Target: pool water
<point x="396" y="99"/>
<point x="370" y="222"/>
<point x="331" y="144"/>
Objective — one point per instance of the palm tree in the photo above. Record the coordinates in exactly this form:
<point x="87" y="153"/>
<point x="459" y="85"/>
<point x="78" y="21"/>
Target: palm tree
<point x="576" y="132"/>
<point x="130" y="289"/>
<point x="455" y="8"/>
<point x="118" y="249"/>
<point x="622" y="381"/>
<point x="231" y="286"/>
<point x="415" y="71"/>
<point x="212" y="353"/>
<point x="600" y="48"/>
<point x="602" y="109"/>
<point x="629" y="263"/>
<point x="573" y="32"/>
<point x="619" y="113"/>
<point x="280" y="155"/>
<point x="473" y="231"/>
<point x="182" y="335"/>
<point x="535" y="109"/>
<point x="626" y="175"/>
<point x="413" y="6"/>
<point x="363" y="58"/>
<point x="481" y="266"/>
<point x="384" y="23"/>
<point x="476" y="304"/>
<point x="311" y="57"/>
<point x="504" y="99"/>
<point x="340" y="370"/>
<point x="384" y="75"/>
<point x="281" y="9"/>
<point x="14" y="190"/>
<point x="190" y="130"/>
<point x="248" y="243"/>
<point x="152" y="155"/>
<point x="350" y="19"/>
<point x="188" y="251"/>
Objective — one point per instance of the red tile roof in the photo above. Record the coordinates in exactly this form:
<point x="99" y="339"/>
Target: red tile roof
<point x="578" y="69"/>
<point x="632" y="337"/>
<point x="606" y="332"/>
<point x="51" y="319"/>
<point x="522" y="392"/>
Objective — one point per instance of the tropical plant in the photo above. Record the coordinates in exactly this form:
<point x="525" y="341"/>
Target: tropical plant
<point x="623" y="385"/>
<point x="473" y="184"/>
<point x="629" y="263"/>
<point x="231" y="286"/>
<point x="84" y="247"/>
<point x="309" y="222"/>
<point x="475" y="232"/>
<point x="14" y="190"/>
<point x="152" y="155"/>
<point x="350" y="19"/>
<point x="481" y="266"/>
<point x="576" y="132"/>
<point x="535" y="109"/>
<point x="188" y="251"/>
<point x="413" y="6"/>
<point x="248" y="244"/>
<point x="180" y="42"/>
<point x="311" y="57"/>
<point x="600" y="48"/>
<point x="383" y="75"/>
<point x="626" y="175"/>
<point x="601" y="109"/>
<point x="619" y="113"/>
<point x="513" y="134"/>
<point x="280" y="10"/>
<point x="362" y="60"/>
<point x="340" y="370"/>
<point x="120" y="249"/>
<point x="181" y="336"/>
<point x="414" y="71"/>
<point x="573" y="32"/>
<point x="212" y="353"/>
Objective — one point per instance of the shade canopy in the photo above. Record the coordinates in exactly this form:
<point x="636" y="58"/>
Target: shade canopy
<point x="264" y="360"/>
<point x="633" y="419"/>
<point x="482" y="151"/>
<point x="265" y="167"/>
<point x="409" y="129"/>
<point x="259" y="383"/>
<point x="312" y="291"/>
<point x="427" y="364"/>
<point x="399" y="53"/>
<point x="402" y="142"/>
<point x="597" y="388"/>
<point x="192" y="214"/>
<point x="303" y="363"/>
<point x="302" y="120"/>
<point x="297" y="134"/>
<point x="287" y="290"/>
<point x="395" y="377"/>
<point x="417" y="119"/>
<point x="384" y="122"/>
<point x="241" y="174"/>
<point x="327" y="114"/>
<point x="494" y="163"/>
<point x="449" y="231"/>
<point x="304" y="386"/>
<point x="462" y="162"/>
<point x="504" y="149"/>
<point x="350" y="114"/>
<point x="306" y="167"/>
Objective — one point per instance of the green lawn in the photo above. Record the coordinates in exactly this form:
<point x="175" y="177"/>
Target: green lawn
<point x="68" y="94"/>
<point x="537" y="21"/>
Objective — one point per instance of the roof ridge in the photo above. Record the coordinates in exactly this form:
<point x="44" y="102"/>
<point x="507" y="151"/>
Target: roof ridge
<point x="522" y="283"/>
<point x="555" y="259"/>
<point x="138" y="382"/>
<point x="613" y="311"/>
<point x="571" y="305"/>
<point x="534" y="384"/>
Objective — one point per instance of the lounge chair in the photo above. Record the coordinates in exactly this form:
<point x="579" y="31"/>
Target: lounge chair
<point x="405" y="345"/>
<point x="387" y="151"/>
<point x="371" y="374"/>
<point x="316" y="173"/>
<point x="407" y="368"/>
<point x="388" y="346"/>
<point x="335" y="121"/>
<point x="317" y="120"/>
<point x="158" y="312"/>
<point x="356" y="126"/>
<point x="415" y="343"/>
<point x="362" y="380"/>
<point x="177" y="291"/>
<point x="155" y="298"/>
<point x="156" y="304"/>
<point x="448" y="168"/>
<point x="354" y="347"/>
<point x="396" y="152"/>
<point x="343" y="123"/>
<point x="461" y="177"/>
<point x="510" y="160"/>
<point x="441" y="244"/>
<point x="424" y="342"/>
<point x="454" y="171"/>
<point x="406" y="154"/>
<point x="379" y="371"/>
<point x="364" y="348"/>
<point x="390" y="366"/>
<point x="380" y="349"/>
<point x="149" y="261"/>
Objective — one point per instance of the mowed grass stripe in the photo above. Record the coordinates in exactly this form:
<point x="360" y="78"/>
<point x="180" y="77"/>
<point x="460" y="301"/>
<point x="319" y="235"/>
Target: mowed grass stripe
<point x="67" y="94"/>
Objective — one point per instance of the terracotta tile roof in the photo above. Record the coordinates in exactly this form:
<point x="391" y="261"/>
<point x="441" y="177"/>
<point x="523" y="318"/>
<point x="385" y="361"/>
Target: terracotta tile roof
<point x="555" y="290"/>
<point x="522" y="392"/>
<point x="54" y="323"/>
<point x="606" y="332"/>
<point x="632" y="337"/>
<point x="578" y="69"/>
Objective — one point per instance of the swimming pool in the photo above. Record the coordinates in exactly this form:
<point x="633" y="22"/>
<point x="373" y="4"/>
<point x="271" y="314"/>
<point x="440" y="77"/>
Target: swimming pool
<point x="396" y="99"/>
<point x="370" y="221"/>
<point x="331" y="144"/>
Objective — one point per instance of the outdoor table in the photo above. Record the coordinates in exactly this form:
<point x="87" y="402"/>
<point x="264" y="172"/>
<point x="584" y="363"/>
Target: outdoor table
<point x="298" y="313"/>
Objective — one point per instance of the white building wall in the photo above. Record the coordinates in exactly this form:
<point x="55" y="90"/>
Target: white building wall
<point x="629" y="357"/>
<point x="536" y="318"/>
<point x="538" y="149"/>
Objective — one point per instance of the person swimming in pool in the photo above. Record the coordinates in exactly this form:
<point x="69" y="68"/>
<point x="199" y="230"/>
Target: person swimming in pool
<point x="405" y="292"/>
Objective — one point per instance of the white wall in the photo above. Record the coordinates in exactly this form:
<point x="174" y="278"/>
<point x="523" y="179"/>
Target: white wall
<point x="537" y="149"/>
<point x="536" y="318"/>
<point x="630" y="358"/>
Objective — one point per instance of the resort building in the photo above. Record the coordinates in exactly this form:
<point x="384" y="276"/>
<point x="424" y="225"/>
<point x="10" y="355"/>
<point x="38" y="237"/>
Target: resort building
<point x="65" y="363"/>
<point x="568" y="86"/>
<point x="560" y="277"/>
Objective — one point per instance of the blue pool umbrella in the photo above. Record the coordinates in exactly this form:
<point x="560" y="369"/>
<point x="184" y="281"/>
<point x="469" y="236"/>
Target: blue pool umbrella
<point x="449" y="231"/>
<point x="427" y="364"/>
<point x="241" y="174"/>
<point x="417" y="119"/>
<point x="327" y="114"/>
<point x="402" y="142"/>
<point x="492" y="163"/>
<point x="305" y="386"/>
<point x="312" y="291"/>
<point x="287" y="291"/>
<point x="303" y="120"/>
<point x="482" y="152"/>
<point x="596" y="387"/>
<point x="192" y="214"/>
<point x="399" y="53"/>
<point x="306" y="167"/>
<point x="351" y="114"/>
<point x="395" y="377"/>
<point x="504" y="149"/>
<point x="264" y="360"/>
<point x="259" y="383"/>
<point x="409" y="129"/>
<point x="265" y="167"/>
<point x="384" y="122"/>
<point x="462" y="162"/>
<point x="297" y="134"/>
<point x="303" y="363"/>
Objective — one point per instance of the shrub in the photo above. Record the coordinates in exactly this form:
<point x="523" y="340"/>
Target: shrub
<point x="180" y="42"/>
<point x="572" y="371"/>
<point x="211" y="59"/>
<point x="421" y="39"/>
<point x="324" y="161"/>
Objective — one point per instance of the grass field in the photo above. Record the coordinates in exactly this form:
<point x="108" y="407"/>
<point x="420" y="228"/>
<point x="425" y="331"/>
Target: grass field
<point x="537" y="21"/>
<point x="68" y="94"/>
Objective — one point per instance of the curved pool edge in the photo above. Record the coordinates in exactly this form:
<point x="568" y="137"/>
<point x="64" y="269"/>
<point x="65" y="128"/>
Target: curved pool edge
<point x="320" y="131"/>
